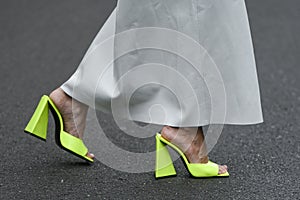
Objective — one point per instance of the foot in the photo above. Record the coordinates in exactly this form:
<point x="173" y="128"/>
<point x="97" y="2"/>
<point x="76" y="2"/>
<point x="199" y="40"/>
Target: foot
<point x="190" y="141"/>
<point x="73" y="113"/>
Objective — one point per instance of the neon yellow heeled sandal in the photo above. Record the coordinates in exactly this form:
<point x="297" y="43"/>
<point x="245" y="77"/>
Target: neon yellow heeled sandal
<point x="164" y="166"/>
<point x="38" y="124"/>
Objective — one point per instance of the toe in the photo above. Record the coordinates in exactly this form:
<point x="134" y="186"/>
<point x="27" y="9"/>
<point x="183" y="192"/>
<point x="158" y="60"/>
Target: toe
<point x="90" y="155"/>
<point x="222" y="169"/>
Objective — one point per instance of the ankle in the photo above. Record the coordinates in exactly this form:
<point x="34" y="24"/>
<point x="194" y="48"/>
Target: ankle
<point x="59" y="97"/>
<point x="166" y="133"/>
<point x="195" y="154"/>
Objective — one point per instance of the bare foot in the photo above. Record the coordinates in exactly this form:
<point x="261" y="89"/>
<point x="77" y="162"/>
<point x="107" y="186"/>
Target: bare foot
<point x="73" y="113"/>
<point x="190" y="141"/>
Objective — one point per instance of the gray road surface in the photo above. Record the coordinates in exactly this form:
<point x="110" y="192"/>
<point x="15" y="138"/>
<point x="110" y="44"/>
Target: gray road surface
<point x="42" y="43"/>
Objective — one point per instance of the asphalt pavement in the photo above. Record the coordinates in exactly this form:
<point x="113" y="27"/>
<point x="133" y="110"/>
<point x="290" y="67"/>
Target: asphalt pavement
<point x="41" y="45"/>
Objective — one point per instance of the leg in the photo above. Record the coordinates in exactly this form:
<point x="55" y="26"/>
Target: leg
<point x="73" y="112"/>
<point x="191" y="142"/>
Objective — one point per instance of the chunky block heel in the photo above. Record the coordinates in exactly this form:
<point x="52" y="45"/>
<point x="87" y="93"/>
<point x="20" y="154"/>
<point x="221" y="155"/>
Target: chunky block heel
<point x="164" y="165"/>
<point x="37" y="126"/>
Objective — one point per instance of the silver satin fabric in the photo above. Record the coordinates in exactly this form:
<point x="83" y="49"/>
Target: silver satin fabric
<point x="172" y="62"/>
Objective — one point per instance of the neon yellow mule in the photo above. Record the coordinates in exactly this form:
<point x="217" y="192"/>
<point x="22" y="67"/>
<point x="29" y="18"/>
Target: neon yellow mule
<point x="38" y="124"/>
<point x="164" y="165"/>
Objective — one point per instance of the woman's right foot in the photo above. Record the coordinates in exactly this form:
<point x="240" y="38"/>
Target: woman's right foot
<point x="191" y="142"/>
<point x="73" y="113"/>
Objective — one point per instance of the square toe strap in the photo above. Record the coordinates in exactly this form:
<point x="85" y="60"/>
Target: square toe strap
<point x="204" y="170"/>
<point x="73" y="143"/>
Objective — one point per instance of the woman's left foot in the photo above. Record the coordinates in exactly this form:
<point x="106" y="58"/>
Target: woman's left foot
<point x="73" y="113"/>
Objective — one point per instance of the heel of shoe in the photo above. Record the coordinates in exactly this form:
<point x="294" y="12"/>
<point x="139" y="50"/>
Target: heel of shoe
<point x="164" y="165"/>
<point x="38" y="124"/>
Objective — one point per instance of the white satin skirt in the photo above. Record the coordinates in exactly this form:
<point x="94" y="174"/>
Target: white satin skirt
<point x="172" y="62"/>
